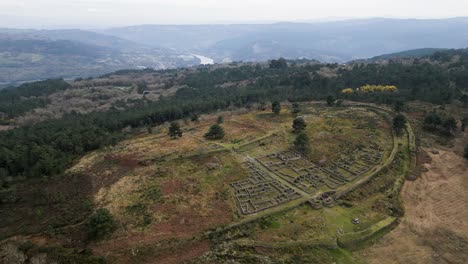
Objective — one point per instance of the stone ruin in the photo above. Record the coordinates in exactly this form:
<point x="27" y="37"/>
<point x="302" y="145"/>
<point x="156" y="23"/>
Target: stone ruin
<point x="309" y="177"/>
<point x="260" y="191"/>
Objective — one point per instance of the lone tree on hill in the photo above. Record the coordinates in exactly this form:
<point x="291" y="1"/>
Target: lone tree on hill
<point x="299" y="124"/>
<point x="276" y="107"/>
<point x="174" y="130"/>
<point x="302" y="143"/>
<point x="399" y="123"/>
<point x="100" y="224"/>
<point x="216" y="132"/>
<point x="330" y="100"/>
<point x="220" y="120"/>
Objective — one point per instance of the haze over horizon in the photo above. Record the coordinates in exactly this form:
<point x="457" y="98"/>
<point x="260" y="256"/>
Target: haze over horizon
<point x="106" y="13"/>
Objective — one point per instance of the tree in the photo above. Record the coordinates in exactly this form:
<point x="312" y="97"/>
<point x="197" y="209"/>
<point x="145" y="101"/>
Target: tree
<point x="100" y="224"/>
<point x="330" y="100"/>
<point x="302" y="143"/>
<point x="194" y="118"/>
<point x="399" y="123"/>
<point x="433" y="120"/>
<point x="220" y="120"/>
<point x="466" y="152"/>
<point x="299" y="124"/>
<point x="450" y="124"/>
<point x="278" y="64"/>
<point x="216" y="132"/>
<point x="276" y="107"/>
<point x="398" y="105"/>
<point x="174" y="130"/>
<point x="295" y="109"/>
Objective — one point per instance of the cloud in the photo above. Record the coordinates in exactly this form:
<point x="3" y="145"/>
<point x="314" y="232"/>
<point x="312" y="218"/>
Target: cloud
<point x="119" y="12"/>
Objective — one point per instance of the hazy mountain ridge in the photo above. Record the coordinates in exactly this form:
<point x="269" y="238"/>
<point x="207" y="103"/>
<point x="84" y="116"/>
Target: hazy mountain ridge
<point x="337" y="41"/>
<point x="407" y="54"/>
<point x="27" y="55"/>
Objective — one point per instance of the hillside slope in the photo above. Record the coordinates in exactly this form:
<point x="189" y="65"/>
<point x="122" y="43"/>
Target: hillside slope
<point x="27" y="55"/>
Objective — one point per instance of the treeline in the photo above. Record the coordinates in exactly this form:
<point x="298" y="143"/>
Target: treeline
<point x="426" y="82"/>
<point x="48" y="148"/>
<point x="15" y="101"/>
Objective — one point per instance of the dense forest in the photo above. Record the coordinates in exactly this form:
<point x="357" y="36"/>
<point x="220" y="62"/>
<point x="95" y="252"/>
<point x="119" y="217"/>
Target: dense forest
<point x="15" y="101"/>
<point x="48" y="148"/>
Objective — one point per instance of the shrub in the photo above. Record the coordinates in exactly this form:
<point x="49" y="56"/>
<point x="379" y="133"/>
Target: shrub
<point x="302" y="143"/>
<point x="174" y="130"/>
<point x="276" y="107"/>
<point x="399" y="123"/>
<point x="216" y="132"/>
<point x="100" y="224"/>
<point x="299" y="124"/>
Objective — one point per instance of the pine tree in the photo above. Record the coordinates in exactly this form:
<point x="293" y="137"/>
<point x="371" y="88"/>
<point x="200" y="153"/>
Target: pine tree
<point x="216" y="132"/>
<point x="194" y="118"/>
<point x="299" y="124"/>
<point x="302" y="143"/>
<point x="399" y="123"/>
<point x="100" y="224"/>
<point x="276" y="107"/>
<point x="174" y="130"/>
<point x="450" y="124"/>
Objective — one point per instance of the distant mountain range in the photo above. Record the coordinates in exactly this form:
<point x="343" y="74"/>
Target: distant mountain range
<point x="38" y="54"/>
<point x="338" y="41"/>
<point x="407" y="54"/>
<point x="27" y="55"/>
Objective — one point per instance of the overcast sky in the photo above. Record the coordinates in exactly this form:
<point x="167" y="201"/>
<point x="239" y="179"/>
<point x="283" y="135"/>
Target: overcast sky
<point x="40" y="13"/>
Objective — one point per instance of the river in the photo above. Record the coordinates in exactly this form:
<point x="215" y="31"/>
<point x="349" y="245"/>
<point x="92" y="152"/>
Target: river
<point x="204" y="60"/>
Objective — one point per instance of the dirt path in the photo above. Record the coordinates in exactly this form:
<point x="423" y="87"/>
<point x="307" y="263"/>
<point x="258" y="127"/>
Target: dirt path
<point x="435" y="226"/>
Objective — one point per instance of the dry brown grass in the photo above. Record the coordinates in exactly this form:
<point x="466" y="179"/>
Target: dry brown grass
<point x="434" y="229"/>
